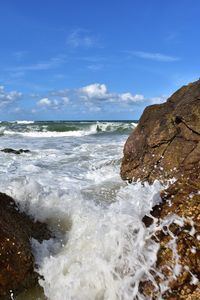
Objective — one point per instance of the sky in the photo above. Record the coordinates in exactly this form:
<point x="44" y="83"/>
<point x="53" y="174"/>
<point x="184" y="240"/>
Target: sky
<point x="94" y="60"/>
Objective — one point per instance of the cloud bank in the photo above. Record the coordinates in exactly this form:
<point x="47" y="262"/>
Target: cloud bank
<point x="90" y="101"/>
<point x="99" y="91"/>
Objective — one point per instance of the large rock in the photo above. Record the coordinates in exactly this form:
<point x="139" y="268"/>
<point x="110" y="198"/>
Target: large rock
<point x="16" y="260"/>
<point x="167" y="139"/>
<point x="166" y="145"/>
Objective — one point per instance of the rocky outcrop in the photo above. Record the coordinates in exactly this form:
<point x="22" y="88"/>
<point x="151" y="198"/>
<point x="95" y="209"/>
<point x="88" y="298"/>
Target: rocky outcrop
<point x="166" y="141"/>
<point x="16" y="260"/>
<point x="13" y="151"/>
<point x="166" y="145"/>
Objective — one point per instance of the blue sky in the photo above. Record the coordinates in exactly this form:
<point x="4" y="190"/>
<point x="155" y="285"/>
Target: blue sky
<point x="88" y="59"/>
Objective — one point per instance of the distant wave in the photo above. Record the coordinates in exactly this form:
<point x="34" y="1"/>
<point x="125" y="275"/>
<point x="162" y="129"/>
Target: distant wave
<point x="45" y="134"/>
<point x="64" y="129"/>
<point x="113" y="127"/>
<point x="25" y="122"/>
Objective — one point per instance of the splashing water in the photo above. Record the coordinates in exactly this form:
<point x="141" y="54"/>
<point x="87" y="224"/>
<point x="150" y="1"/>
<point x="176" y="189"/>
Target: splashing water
<point x="102" y="249"/>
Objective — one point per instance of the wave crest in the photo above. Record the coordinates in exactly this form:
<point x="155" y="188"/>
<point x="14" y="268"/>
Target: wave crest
<point x="64" y="129"/>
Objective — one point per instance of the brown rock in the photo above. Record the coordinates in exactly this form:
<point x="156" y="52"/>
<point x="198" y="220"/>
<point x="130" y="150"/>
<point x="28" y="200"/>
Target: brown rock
<point x="166" y="145"/>
<point x="167" y="138"/>
<point x="16" y="260"/>
<point x="181" y="200"/>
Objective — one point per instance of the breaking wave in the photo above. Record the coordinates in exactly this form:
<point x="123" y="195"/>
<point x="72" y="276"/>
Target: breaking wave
<point x="101" y="250"/>
<point x="62" y="129"/>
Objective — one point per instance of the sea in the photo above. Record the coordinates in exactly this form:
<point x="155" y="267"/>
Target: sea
<point x="70" y="180"/>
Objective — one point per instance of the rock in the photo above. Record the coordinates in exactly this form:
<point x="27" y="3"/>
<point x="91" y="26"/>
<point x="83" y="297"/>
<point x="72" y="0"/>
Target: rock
<point x="167" y="139"/>
<point x="166" y="145"/>
<point x="10" y="150"/>
<point x="16" y="260"/>
<point x="179" y="253"/>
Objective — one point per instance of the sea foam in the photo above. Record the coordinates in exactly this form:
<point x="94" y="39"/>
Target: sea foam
<point x="101" y="250"/>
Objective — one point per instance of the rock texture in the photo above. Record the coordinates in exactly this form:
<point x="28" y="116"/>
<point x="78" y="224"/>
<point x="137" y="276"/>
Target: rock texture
<point x="166" y="140"/>
<point x="16" y="260"/>
<point x="166" y="145"/>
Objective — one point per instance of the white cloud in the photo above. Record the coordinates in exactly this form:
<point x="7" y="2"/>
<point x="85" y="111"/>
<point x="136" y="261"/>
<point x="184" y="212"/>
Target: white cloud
<point x="59" y="103"/>
<point x="8" y="98"/>
<point x="154" y="56"/>
<point x="128" y="97"/>
<point x="80" y="38"/>
<point x="94" y="99"/>
<point x="99" y="91"/>
<point x="158" y="100"/>
<point x="44" y="102"/>
<point x="96" y="90"/>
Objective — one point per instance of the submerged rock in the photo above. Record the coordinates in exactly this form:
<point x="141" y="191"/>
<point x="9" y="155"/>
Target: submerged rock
<point x="16" y="259"/>
<point x="166" y="145"/>
<point x="10" y="150"/>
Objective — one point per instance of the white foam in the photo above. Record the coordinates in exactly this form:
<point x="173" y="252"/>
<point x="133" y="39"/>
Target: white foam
<point x="134" y="124"/>
<point x="194" y="279"/>
<point x="102" y="249"/>
<point x="47" y="134"/>
<point x="106" y="251"/>
<point x="25" y="122"/>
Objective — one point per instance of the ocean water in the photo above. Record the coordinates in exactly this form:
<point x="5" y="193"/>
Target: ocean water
<point x="70" y="180"/>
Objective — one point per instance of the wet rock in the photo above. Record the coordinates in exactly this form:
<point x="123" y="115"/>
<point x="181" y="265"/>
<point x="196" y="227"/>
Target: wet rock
<point x="10" y="150"/>
<point x="179" y="253"/>
<point x="166" y="145"/>
<point x="16" y="259"/>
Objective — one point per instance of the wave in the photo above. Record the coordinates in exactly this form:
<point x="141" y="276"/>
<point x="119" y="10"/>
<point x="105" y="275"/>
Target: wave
<point x="45" y="134"/>
<point x="64" y="129"/>
<point x="102" y="249"/>
<point x="25" y="122"/>
<point x="2" y="129"/>
<point x="104" y="252"/>
<point x="114" y="127"/>
<point x="95" y="127"/>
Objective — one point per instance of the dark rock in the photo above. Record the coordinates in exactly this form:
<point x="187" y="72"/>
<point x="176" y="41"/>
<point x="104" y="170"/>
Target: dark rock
<point x="166" y="145"/>
<point x="10" y="150"/>
<point x="16" y="260"/>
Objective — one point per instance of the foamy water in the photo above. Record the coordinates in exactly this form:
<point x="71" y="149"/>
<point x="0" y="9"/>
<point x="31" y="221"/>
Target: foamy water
<point x="102" y="250"/>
